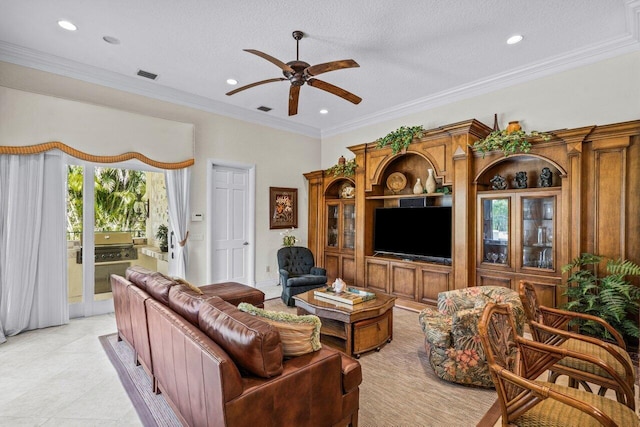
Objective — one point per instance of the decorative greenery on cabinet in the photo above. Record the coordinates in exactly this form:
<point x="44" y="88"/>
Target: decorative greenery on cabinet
<point x="509" y="142"/>
<point x="400" y="138"/>
<point x="348" y="168"/>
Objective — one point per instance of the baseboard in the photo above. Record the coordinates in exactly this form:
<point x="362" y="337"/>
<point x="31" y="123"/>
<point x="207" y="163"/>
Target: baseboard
<point x="265" y="283"/>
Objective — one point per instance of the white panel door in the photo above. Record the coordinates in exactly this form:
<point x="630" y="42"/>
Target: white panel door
<point x="229" y="218"/>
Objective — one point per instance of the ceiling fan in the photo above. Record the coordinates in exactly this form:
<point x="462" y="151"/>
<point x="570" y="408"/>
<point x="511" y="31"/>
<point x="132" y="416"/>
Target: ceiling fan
<point x="299" y="72"/>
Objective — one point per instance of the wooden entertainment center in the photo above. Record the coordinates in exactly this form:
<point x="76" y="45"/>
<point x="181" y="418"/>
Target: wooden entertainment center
<point x="499" y="237"/>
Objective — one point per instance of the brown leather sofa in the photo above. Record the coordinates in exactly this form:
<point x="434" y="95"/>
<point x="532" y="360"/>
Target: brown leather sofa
<point x="219" y="366"/>
<point x="130" y="294"/>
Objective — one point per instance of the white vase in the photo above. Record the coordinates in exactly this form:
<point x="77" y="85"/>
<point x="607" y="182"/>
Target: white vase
<point x="418" y="188"/>
<point x="431" y="182"/>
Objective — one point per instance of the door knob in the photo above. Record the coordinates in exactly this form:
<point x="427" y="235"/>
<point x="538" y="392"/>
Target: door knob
<point x="245" y="244"/>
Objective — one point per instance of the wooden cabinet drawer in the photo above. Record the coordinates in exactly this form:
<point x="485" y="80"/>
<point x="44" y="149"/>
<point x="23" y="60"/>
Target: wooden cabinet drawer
<point x="371" y="333"/>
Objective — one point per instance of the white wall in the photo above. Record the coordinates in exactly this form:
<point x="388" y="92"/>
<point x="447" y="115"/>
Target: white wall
<point x="601" y="93"/>
<point x="30" y="118"/>
<point x="280" y="157"/>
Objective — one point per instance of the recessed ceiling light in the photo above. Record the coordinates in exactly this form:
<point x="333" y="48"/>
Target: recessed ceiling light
<point x="111" y="40"/>
<point x="514" y="39"/>
<point x="324" y="111"/>
<point x="67" y="25"/>
<point x="232" y="82"/>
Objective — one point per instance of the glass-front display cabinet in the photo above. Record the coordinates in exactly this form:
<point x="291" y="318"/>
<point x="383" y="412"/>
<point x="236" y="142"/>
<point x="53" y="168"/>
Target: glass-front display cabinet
<point x="340" y="240"/>
<point x="495" y="247"/>
<point x="341" y="225"/>
<point x="333" y="222"/>
<point x="518" y="231"/>
<point x="538" y="232"/>
<point x="348" y="225"/>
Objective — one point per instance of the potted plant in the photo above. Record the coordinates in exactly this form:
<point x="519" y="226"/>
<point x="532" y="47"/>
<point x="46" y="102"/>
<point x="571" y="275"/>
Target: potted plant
<point x="288" y="239"/>
<point x="509" y="141"/>
<point x="400" y="138"/>
<point x="343" y="167"/>
<point x="163" y="237"/>
<point x="612" y="297"/>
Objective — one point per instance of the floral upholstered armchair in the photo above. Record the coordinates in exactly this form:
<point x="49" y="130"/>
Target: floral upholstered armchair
<point x="451" y="332"/>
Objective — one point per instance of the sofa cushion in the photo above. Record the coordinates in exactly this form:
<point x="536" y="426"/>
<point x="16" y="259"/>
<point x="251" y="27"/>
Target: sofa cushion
<point x="252" y="343"/>
<point x="186" y="302"/>
<point x="299" y="334"/>
<point x="158" y="286"/>
<point x="194" y="288"/>
<point x="138" y="276"/>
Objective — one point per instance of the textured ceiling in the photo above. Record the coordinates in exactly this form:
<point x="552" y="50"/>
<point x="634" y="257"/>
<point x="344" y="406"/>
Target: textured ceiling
<point x="411" y="53"/>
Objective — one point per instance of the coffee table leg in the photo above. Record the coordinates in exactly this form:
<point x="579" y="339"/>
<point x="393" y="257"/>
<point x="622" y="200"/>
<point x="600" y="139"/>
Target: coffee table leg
<point x="348" y="329"/>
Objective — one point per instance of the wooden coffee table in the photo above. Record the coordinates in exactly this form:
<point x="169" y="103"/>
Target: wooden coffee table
<point x="366" y="326"/>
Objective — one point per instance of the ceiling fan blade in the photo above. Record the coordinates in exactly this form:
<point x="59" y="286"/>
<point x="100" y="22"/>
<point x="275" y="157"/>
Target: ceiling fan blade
<point x="314" y="70"/>
<point x="277" y="79"/>
<point x="294" y="93"/>
<point x="271" y="59"/>
<point x="334" y="90"/>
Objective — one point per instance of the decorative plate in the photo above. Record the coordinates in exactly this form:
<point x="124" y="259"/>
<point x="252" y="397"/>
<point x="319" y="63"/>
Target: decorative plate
<point x="396" y="182"/>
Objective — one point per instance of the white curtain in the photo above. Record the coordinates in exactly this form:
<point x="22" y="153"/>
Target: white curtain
<point x="33" y="278"/>
<point x="178" y="183"/>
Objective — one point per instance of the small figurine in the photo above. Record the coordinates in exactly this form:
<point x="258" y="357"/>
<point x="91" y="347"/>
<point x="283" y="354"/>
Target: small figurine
<point x="498" y="183"/>
<point x="521" y="180"/>
<point x="546" y="178"/>
<point x="339" y="286"/>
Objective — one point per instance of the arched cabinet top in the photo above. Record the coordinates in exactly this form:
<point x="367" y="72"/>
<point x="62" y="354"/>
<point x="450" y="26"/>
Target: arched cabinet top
<point x="413" y="164"/>
<point x="335" y="187"/>
<point x="508" y="166"/>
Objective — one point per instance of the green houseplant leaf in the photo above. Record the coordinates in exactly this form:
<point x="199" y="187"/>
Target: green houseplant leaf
<point x="163" y="237"/>
<point x="400" y="138"/>
<point x="611" y="297"/>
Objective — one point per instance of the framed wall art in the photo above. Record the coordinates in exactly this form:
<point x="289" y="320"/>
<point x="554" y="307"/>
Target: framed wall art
<point x="283" y="207"/>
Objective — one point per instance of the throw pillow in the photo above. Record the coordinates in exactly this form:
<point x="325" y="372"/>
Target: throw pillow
<point x="299" y="334"/>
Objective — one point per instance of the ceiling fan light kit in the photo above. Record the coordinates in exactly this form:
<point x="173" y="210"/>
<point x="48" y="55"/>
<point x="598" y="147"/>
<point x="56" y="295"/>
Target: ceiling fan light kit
<point x="300" y="72"/>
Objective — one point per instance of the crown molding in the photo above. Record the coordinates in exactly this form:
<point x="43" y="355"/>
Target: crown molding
<point x="50" y="63"/>
<point x="633" y="18"/>
<point x="549" y="66"/>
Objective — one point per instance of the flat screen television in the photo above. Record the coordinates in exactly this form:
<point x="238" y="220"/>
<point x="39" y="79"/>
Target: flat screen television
<point x="416" y="233"/>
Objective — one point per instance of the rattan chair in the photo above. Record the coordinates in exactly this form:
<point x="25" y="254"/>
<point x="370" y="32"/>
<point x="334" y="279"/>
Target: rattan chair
<point x="550" y="326"/>
<point x="515" y="363"/>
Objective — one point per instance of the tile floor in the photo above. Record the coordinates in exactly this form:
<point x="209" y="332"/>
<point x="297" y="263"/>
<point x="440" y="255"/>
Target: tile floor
<point x="61" y="376"/>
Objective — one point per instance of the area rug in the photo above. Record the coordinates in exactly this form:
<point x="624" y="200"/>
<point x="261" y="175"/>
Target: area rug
<point x="152" y="409"/>
<point x="398" y="387"/>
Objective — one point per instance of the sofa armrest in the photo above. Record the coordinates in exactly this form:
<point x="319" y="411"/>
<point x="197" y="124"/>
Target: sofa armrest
<point x="351" y="373"/>
<point x="310" y="388"/>
<point x="318" y="271"/>
<point x="436" y="327"/>
<point x="284" y="276"/>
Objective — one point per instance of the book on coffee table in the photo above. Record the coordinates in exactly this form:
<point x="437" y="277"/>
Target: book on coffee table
<point x="351" y="296"/>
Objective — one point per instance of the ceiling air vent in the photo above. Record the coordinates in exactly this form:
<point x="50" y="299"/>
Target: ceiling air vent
<point x="147" y="74"/>
<point x="265" y="109"/>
